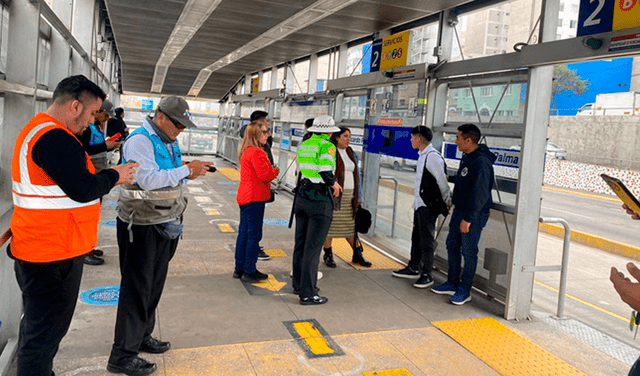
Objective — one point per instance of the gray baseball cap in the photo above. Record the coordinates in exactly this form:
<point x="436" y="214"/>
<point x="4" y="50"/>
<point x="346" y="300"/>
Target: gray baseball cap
<point x="177" y="109"/>
<point x="107" y="107"/>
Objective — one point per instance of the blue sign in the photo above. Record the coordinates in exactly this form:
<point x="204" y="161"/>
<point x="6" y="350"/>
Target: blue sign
<point x="505" y="157"/>
<point x="147" y="105"/>
<point x="109" y="223"/>
<point x="298" y="132"/>
<point x="319" y="85"/>
<point x="595" y="16"/>
<point x="101" y="296"/>
<point x="276" y="222"/>
<point x="390" y="140"/>
<point x="366" y="58"/>
<point x="376" y="55"/>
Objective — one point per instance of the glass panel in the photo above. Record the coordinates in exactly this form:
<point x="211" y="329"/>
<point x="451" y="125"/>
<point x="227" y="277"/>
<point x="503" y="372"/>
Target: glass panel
<point x="462" y="107"/>
<point x="265" y="83"/>
<point x="323" y="72"/>
<point x="301" y="77"/>
<point x="4" y="39"/>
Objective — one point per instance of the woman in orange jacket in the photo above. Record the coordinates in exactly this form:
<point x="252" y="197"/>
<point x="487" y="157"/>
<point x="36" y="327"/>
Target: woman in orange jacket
<point x="256" y="174"/>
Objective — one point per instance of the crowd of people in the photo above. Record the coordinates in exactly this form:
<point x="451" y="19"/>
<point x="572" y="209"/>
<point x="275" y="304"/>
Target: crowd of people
<point x="60" y="172"/>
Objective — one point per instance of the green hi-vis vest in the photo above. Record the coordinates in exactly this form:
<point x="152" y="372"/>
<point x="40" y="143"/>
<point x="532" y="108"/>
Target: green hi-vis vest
<point x="316" y="155"/>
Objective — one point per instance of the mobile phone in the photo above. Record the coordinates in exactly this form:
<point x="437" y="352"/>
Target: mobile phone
<point x="212" y="169"/>
<point x="618" y="187"/>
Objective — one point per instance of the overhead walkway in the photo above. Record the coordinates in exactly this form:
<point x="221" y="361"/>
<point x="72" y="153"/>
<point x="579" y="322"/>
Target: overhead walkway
<point x="373" y="324"/>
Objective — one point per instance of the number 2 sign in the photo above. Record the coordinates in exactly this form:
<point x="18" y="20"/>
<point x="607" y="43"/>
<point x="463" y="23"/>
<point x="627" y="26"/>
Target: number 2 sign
<point x="601" y="16"/>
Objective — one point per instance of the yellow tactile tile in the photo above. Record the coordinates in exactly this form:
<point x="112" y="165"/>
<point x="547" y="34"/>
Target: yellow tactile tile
<point x="211" y="211"/>
<point x="231" y="173"/>
<point x="342" y="249"/>
<point x="503" y="349"/>
<point x="389" y="372"/>
<point x="275" y="252"/>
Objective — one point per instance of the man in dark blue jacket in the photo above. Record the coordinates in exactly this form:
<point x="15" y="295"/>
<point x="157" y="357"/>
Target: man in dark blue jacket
<point x="471" y="200"/>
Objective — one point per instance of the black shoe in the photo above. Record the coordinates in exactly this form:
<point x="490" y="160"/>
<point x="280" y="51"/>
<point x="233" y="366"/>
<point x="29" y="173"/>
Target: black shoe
<point x="407" y="273"/>
<point x="91" y="259"/>
<point x="154" y="346"/>
<point x="238" y="274"/>
<point x="254" y="277"/>
<point x="328" y="257"/>
<point x="423" y="282"/>
<point x="262" y="255"/>
<point x="313" y="300"/>
<point x="357" y="257"/>
<point x="133" y="366"/>
<point x="97" y="252"/>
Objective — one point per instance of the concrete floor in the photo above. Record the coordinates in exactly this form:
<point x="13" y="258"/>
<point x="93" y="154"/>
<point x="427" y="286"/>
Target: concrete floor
<point x="218" y="325"/>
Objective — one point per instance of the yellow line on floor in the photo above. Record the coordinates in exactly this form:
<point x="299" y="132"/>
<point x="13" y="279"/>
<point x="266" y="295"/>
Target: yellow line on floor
<point x="595" y="241"/>
<point x="584" y="302"/>
<point x="231" y="173"/>
<point x="600" y="197"/>
<point x="225" y="227"/>
<point x="504" y="350"/>
<point x="312" y="337"/>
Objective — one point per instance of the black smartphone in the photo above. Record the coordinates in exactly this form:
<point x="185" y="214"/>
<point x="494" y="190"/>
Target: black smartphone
<point x="211" y="169"/>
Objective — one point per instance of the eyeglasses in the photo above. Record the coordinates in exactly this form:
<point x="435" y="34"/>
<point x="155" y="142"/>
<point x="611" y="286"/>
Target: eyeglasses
<point x="175" y="123"/>
<point x="265" y="132"/>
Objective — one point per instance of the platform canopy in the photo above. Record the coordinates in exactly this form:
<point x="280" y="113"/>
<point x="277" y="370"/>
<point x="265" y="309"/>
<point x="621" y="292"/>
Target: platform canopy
<point x="202" y="47"/>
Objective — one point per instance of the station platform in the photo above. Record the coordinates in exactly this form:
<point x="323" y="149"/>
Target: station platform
<point x="373" y="324"/>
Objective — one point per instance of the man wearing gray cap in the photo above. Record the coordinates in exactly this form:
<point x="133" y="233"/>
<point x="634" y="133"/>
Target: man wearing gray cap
<point x="148" y="233"/>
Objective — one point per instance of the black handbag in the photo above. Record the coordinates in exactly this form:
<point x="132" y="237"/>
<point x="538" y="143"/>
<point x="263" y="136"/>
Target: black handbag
<point x="363" y="220"/>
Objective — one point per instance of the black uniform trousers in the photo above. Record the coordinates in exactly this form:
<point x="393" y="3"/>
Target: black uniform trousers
<point x="143" y="264"/>
<point x="313" y="219"/>
<point x="49" y="296"/>
<point x="423" y="245"/>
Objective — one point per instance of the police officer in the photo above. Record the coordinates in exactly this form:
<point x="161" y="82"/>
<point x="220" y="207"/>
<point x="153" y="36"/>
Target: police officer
<point x="313" y="207"/>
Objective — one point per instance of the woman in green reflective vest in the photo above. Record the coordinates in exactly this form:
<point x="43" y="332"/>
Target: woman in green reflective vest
<point x="313" y="207"/>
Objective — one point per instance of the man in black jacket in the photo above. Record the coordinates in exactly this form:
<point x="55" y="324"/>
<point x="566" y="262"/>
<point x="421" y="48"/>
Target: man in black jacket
<point x="471" y="200"/>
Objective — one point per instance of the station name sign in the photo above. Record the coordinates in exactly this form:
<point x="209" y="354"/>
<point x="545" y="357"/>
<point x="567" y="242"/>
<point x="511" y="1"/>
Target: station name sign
<point x="505" y="157"/>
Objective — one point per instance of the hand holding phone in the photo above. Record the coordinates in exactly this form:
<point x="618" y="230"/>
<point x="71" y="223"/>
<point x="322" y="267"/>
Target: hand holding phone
<point x="211" y="169"/>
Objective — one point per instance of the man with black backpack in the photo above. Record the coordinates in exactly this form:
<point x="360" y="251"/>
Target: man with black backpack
<point x="431" y="195"/>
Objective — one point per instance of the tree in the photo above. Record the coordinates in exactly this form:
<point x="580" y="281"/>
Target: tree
<point x="566" y="80"/>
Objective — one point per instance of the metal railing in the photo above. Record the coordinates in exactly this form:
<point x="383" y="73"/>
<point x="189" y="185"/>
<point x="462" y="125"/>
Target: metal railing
<point x="553" y="268"/>
<point x="395" y="203"/>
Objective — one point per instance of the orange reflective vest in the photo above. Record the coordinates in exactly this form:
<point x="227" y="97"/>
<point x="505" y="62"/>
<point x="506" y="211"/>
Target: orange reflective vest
<point x="47" y="225"/>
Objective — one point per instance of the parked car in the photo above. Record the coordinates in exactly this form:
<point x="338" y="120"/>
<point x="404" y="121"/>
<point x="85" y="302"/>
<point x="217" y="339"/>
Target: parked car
<point x="398" y="163"/>
<point x="553" y="150"/>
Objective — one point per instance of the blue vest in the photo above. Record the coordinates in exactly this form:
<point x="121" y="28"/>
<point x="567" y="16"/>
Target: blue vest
<point x="164" y="159"/>
<point x="97" y="137"/>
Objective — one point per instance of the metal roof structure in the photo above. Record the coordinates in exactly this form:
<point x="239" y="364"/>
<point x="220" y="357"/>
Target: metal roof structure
<point x="202" y="47"/>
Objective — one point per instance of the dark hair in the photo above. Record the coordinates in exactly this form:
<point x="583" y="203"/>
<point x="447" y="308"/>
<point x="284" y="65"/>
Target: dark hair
<point x="336" y="135"/>
<point x="77" y="87"/>
<point x="257" y="115"/>
<point x="308" y="123"/>
<point x="119" y="111"/>
<point x="470" y="130"/>
<point x="423" y="131"/>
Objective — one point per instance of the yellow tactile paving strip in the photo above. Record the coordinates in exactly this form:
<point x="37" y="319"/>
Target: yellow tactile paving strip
<point x="342" y="249"/>
<point x="231" y="173"/>
<point x="274" y="252"/>
<point x="503" y="349"/>
<point x="389" y="372"/>
<point x="225" y="227"/>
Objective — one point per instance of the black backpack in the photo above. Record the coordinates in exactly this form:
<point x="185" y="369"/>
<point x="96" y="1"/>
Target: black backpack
<point x="430" y="192"/>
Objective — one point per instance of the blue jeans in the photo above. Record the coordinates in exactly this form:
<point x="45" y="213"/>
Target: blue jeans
<point x="249" y="236"/>
<point x="464" y="245"/>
